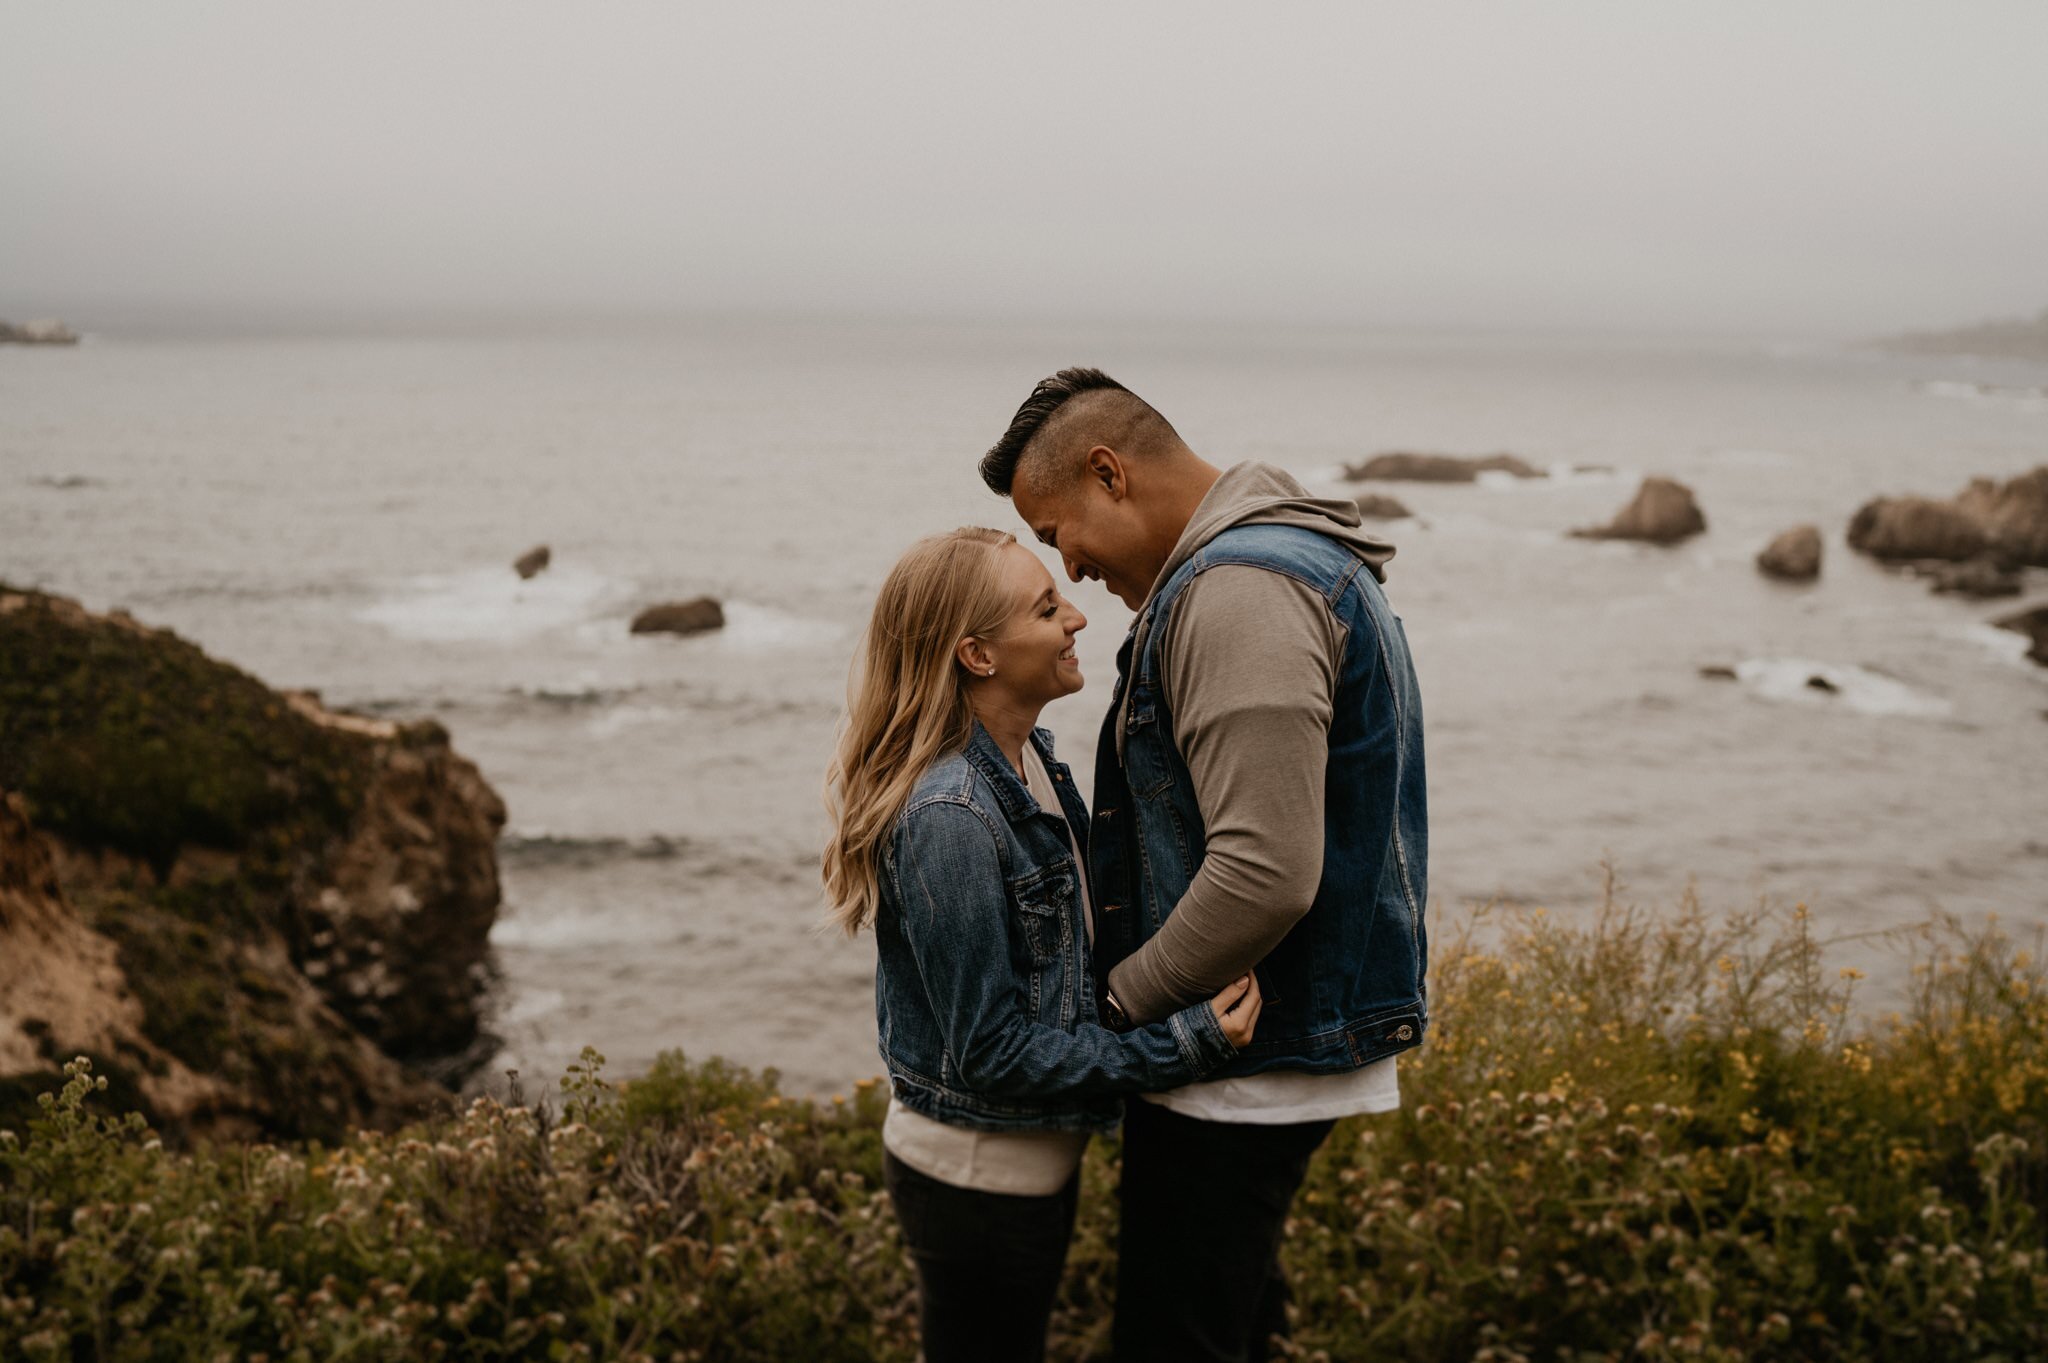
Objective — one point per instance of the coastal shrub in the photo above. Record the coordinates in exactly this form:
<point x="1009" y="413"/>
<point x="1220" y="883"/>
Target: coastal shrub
<point x="1672" y="1137"/>
<point x="1629" y="1137"/>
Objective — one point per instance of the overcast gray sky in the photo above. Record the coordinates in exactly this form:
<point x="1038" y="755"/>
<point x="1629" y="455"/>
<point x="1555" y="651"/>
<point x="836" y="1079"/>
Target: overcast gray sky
<point x="1827" y="168"/>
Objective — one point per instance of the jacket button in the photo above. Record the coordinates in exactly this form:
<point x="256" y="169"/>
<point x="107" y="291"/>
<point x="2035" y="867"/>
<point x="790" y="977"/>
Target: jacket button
<point x="1405" y="1033"/>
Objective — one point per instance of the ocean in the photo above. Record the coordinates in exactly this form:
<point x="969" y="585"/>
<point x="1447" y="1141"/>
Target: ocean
<point x="338" y="509"/>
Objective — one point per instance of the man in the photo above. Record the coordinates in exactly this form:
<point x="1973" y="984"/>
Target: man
<point x="1259" y="802"/>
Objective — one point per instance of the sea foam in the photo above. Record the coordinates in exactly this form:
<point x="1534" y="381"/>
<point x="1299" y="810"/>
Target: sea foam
<point x="752" y="628"/>
<point x="2008" y="646"/>
<point x="486" y="604"/>
<point x="1855" y="688"/>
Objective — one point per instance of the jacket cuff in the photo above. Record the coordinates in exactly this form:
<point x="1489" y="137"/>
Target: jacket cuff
<point x="1200" y="1038"/>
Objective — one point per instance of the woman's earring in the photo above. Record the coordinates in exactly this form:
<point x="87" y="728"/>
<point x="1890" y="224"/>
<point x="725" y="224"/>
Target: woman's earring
<point x="991" y="672"/>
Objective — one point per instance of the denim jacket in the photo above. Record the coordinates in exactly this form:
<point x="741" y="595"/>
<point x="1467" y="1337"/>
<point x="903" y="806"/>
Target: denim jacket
<point x="1346" y="986"/>
<point x="984" y="993"/>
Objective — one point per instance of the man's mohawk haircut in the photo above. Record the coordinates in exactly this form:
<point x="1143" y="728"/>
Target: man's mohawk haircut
<point x="999" y="465"/>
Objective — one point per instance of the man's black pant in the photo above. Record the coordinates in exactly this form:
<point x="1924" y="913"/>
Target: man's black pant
<point x="988" y="1264"/>
<point x="1198" y="1258"/>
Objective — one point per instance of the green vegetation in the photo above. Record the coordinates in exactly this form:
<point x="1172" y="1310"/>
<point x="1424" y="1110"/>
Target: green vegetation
<point x="1632" y="1138"/>
<point x="137" y="741"/>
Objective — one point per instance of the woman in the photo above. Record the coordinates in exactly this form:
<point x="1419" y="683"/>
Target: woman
<point x="961" y="840"/>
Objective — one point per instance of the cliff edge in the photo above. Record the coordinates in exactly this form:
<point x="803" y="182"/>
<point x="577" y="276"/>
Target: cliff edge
<point x="259" y="916"/>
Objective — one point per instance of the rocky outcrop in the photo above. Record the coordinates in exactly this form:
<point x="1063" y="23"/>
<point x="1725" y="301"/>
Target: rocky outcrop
<point x="217" y="1038"/>
<point x="2006" y="520"/>
<point x="393" y="932"/>
<point x="1663" y="512"/>
<point x="1903" y="528"/>
<point x="532" y="561"/>
<point x="1793" y="556"/>
<point x="63" y="992"/>
<point x="1437" y="468"/>
<point x="2014" y="515"/>
<point x="2034" y="624"/>
<point x="295" y="901"/>
<point x="1377" y="507"/>
<point x="46" y="331"/>
<point x="680" y="617"/>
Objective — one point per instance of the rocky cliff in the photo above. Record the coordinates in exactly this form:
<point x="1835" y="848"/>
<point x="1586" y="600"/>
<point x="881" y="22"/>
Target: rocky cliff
<point x="259" y="916"/>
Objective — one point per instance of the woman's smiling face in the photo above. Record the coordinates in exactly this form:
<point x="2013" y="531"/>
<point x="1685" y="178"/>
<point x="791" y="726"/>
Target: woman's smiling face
<point x="1033" y="654"/>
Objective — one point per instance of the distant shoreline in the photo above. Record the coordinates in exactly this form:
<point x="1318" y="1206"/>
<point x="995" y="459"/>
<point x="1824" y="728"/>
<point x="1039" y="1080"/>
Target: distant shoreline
<point x="2012" y="339"/>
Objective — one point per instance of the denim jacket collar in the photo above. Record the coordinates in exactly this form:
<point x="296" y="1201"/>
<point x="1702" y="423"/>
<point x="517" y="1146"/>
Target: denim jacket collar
<point x="1004" y="779"/>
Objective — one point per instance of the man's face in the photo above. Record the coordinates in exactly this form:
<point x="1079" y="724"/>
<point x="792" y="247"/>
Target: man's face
<point x="1096" y="533"/>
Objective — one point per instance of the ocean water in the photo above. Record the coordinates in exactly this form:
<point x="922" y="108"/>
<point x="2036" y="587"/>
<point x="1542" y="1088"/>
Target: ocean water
<point x="340" y="511"/>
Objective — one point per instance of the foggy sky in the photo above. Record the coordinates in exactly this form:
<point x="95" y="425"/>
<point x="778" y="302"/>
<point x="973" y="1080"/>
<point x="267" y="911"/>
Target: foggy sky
<point x="1814" y="168"/>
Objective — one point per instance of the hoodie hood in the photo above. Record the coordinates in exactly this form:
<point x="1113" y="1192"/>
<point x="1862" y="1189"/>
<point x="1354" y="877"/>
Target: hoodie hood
<point x="1259" y="494"/>
<point x="1252" y="493"/>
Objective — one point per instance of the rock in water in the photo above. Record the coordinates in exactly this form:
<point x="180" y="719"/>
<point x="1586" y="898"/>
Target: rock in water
<point x="1663" y="512"/>
<point x="680" y="617"/>
<point x="2034" y="624"/>
<point x="1793" y="556"/>
<point x="1437" y="468"/>
<point x="2008" y="520"/>
<point x="44" y="331"/>
<point x="1376" y="507"/>
<point x="297" y="901"/>
<point x="1897" y="528"/>
<point x="1980" y="578"/>
<point x="532" y="561"/>
<point x="2014" y="515"/>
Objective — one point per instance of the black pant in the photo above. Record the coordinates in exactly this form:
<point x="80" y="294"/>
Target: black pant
<point x="988" y="1264"/>
<point x="1198" y="1259"/>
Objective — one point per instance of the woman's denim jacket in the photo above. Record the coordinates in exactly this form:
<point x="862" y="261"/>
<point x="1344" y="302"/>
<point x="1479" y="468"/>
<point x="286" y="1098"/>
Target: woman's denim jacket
<point x="983" y="989"/>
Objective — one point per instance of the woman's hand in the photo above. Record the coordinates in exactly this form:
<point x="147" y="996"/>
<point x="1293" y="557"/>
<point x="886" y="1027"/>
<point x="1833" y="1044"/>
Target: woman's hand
<point x="1237" y="1009"/>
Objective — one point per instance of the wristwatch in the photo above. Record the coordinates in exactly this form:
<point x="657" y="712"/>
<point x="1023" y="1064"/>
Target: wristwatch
<point x="1113" y="1015"/>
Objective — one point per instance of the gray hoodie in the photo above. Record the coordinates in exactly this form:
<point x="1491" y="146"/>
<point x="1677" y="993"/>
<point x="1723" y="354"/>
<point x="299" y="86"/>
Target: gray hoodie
<point x="1249" y="665"/>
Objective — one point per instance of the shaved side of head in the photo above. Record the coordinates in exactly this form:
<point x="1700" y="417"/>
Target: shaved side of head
<point x="1067" y="415"/>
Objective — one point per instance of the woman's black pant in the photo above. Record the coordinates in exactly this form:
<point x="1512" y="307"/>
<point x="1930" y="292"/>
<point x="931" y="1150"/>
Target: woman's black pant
<point x="988" y="1264"/>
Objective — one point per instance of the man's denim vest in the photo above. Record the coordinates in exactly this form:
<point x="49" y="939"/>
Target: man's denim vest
<point x="983" y="983"/>
<point x="1345" y="987"/>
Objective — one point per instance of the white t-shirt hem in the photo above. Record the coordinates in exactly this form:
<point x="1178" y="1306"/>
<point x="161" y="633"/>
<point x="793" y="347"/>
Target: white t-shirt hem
<point x="1016" y="1163"/>
<point x="1281" y="1097"/>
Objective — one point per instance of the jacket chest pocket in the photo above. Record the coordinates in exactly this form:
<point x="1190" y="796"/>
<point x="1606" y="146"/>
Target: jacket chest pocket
<point x="1147" y="769"/>
<point x="1044" y="902"/>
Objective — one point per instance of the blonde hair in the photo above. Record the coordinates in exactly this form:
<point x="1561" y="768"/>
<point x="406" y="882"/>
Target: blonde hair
<point x="906" y="702"/>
